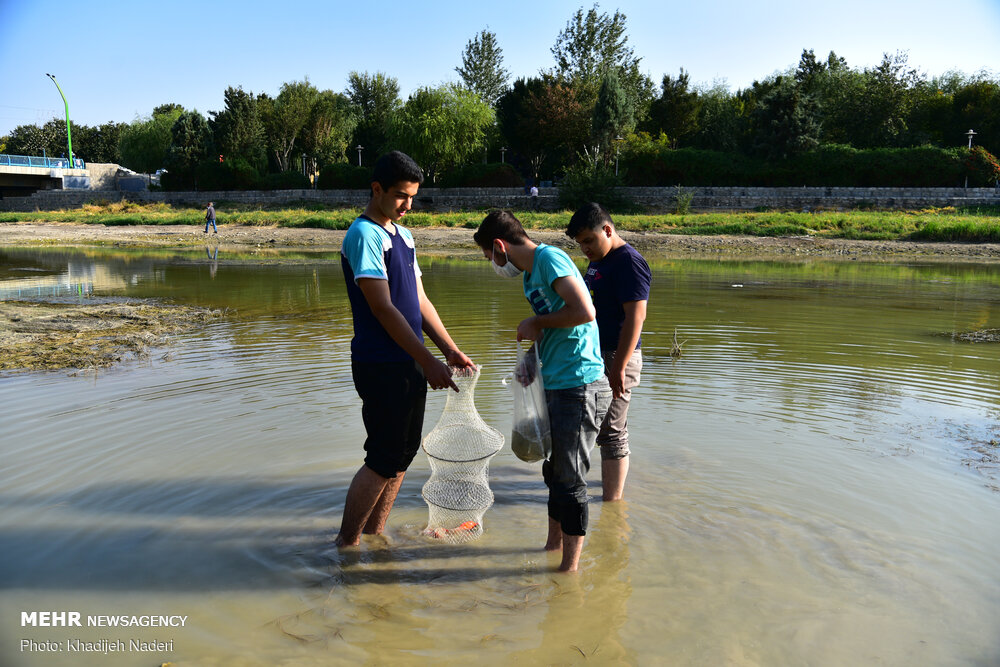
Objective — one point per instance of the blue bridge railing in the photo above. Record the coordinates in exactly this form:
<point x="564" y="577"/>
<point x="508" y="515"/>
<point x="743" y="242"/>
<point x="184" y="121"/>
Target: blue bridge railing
<point x="35" y="161"/>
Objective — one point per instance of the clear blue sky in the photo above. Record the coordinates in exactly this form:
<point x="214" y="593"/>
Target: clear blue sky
<point x="117" y="60"/>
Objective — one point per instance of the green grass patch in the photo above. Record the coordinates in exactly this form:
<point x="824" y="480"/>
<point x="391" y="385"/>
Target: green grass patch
<point x="981" y="225"/>
<point x="961" y="231"/>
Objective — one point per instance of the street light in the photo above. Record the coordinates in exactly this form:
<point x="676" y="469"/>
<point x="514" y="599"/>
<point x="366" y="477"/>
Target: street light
<point x="971" y="133"/>
<point x="618" y="142"/>
<point x="360" y="148"/>
<point x="502" y="151"/>
<point x="69" y="134"/>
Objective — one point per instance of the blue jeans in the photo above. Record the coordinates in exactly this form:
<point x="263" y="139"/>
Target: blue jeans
<point x="211" y="221"/>
<point x="575" y="417"/>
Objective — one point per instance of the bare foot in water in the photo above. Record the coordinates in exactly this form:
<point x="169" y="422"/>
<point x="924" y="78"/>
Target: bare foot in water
<point x="341" y="542"/>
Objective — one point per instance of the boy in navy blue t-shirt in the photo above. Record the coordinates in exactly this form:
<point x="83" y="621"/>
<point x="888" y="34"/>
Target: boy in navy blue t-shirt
<point x="618" y="278"/>
<point x="390" y="365"/>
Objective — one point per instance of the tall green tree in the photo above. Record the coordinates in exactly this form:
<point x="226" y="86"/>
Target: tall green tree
<point x="675" y="111"/>
<point x="839" y="88"/>
<point x="327" y="131"/>
<point x="876" y="114"/>
<point x="377" y="97"/>
<point x="723" y="119"/>
<point x="441" y="127"/>
<point x="546" y="122"/>
<point x="976" y="106"/>
<point x="595" y="42"/>
<point x="33" y="140"/>
<point x="613" y="114"/>
<point x="810" y="72"/>
<point x="285" y="118"/>
<point x="168" y="108"/>
<point x="785" y="121"/>
<point x="190" y="146"/>
<point x="516" y="126"/>
<point x="144" y="143"/>
<point x="238" y="130"/>
<point x="104" y="145"/>
<point x="482" y="68"/>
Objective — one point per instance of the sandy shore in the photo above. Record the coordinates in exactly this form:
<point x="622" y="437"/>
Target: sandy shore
<point x="458" y="242"/>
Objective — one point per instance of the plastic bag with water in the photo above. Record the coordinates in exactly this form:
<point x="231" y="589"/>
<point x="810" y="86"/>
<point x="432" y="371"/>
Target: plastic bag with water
<point x="531" y="438"/>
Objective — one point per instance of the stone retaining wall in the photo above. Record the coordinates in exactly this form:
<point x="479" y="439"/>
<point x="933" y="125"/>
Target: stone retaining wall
<point x="454" y="199"/>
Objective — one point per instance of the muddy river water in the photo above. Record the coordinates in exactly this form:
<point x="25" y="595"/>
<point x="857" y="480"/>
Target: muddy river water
<point x="814" y="481"/>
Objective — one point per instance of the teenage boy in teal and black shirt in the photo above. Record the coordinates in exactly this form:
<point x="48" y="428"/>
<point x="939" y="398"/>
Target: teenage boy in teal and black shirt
<point x="618" y="278"/>
<point x="576" y="392"/>
<point x="390" y="365"/>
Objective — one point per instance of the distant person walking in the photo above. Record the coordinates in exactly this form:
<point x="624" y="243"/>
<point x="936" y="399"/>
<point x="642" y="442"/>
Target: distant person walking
<point x="210" y="218"/>
<point x="534" y="197"/>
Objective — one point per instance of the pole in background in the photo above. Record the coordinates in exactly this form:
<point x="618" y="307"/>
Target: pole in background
<point x="360" y="148"/>
<point x="969" y="134"/>
<point x="69" y="134"/>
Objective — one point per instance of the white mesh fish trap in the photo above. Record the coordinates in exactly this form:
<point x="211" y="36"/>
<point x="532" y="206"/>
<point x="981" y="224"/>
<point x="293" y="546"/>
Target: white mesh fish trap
<point x="459" y="450"/>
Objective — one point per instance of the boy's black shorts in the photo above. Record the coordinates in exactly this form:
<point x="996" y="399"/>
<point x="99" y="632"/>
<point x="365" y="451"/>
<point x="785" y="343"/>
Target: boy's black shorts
<point x="393" y="396"/>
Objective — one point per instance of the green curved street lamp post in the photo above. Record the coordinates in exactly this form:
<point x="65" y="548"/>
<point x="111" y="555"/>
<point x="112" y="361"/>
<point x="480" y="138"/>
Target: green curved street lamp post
<point x="69" y="134"/>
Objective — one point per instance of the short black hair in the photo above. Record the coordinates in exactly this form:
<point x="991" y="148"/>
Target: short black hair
<point x="500" y="225"/>
<point x="591" y="217"/>
<point x="394" y="167"/>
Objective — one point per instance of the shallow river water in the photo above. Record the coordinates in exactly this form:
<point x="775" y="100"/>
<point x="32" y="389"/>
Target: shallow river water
<point x="814" y="481"/>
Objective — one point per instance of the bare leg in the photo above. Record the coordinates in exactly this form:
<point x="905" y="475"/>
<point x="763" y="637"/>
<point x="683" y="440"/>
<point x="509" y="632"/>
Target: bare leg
<point x="555" y="540"/>
<point x="613" y="473"/>
<point x="362" y="496"/>
<point x="376" y="521"/>
<point x="572" y="546"/>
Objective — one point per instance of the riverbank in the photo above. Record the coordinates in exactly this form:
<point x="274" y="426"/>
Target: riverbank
<point x="458" y="241"/>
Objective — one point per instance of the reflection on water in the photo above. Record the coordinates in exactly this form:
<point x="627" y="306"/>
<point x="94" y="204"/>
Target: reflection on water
<point x="811" y="480"/>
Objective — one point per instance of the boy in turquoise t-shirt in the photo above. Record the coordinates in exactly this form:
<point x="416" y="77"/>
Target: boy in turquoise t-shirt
<point x="576" y="391"/>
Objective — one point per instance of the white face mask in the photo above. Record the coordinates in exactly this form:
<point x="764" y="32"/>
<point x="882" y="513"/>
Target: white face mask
<point x="508" y="270"/>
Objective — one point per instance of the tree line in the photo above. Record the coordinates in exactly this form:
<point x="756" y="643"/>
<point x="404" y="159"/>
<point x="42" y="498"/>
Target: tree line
<point x="593" y="107"/>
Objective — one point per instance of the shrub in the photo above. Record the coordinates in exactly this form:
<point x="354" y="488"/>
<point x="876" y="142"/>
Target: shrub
<point x="661" y="166"/>
<point x="343" y="176"/>
<point x="655" y="164"/>
<point x="981" y="167"/>
<point x="590" y="182"/>
<point x="285" y="180"/>
<point x="235" y="174"/>
<point x="494" y="175"/>
<point x="682" y="201"/>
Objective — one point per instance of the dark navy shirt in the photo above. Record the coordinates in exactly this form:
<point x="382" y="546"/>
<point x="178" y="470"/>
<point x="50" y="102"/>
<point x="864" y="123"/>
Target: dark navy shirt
<point x="622" y="276"/>
<point x="369" y="251"/>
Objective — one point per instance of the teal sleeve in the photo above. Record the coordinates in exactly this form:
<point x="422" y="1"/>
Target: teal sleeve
<point x="363" y="247"/>
<point x="556" y="264"/>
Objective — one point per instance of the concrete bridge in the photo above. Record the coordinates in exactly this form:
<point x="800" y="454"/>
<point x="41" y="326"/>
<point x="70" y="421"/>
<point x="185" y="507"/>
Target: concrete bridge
<point x="21" y="175"/>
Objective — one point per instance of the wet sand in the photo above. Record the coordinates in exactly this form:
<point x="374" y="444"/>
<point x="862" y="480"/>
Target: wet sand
<point x="51" y="336"/>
